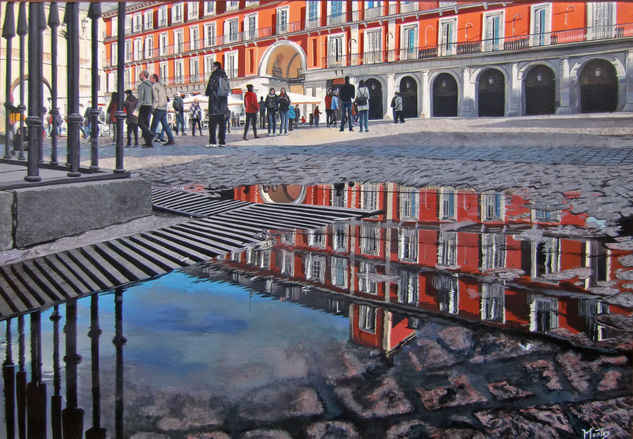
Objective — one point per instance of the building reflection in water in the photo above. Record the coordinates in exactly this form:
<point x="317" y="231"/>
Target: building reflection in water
<point x="493" y="257"/>
<point x="31" y="419"/>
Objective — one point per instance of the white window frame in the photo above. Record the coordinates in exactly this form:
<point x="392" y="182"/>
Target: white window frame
<point x="179" y="65"/>
<point x="287" y="262"/>
<point x="406" y="51"/>
<point x="209" y="8"/>
<point x="369" y="196"/>
<point x="315" y="267"/>
<point x="373" y="55"/>
<point x="489" y="211"/>
<point x="263" y="258"/>
<point x="194" y="37"/>
<point x="339" y="18"/>
<point x="249" y="3"/>
<point x="149" y="47"/>
<point x="163" y="71"/>
<point x="546" y="302"/>
<point x="373" y="11"/>
<point x="409" y="206"/>
<point x="232" y="72"/>
<point x="208" y="64"/>
<point x="337" y="200"/>
<point x="408" y="243"/>
<point x="367" y="319"/>
<point x="138" y="49"/>
<point x="408" y="6"/>
<point x="339" y="59"/>
<point x="213" y="39"/>
<point x="230" y="37"/>
<point x="370" y="240"/>
<point x="340" y="233"/>
<point x="493" y="251"/>
<point x="111" y="86"/>
<point x="446" y="193"/>
<point x="128" y="24"/>
<point x="447" y="249"/>
<point x="604" y="31"/>
<point x="128" y="50"/>
<point x="127" y="78"/>
<point x="551" y="216"/>
<point x="194" y="73"/>
<point x="365" y="283"/>
<point x="281" y="27"/>
<point x="447" y="298"/>
<point x="148" y="19"/>
<point x="551" y="248"/>
<point x="179" y="41"/>
<point x="192" y="10"/>
<point x="491" y="44"/>
<point x="317" y="238"/>
<point x="538" y="39"/>
<point x="163" y="43"/>
<point x="114" y="26"/>
<point x="232" y="5"/>
<point x="250" y="34"/>
<point x="177" y="12"/>
<point x="163" y="19"/>
<point x="138" y="22"/>
<point x="409" y="287"/>
<point x="339" y="272"/>
<point x="447" y="48"/>
<point x="313" y="24"/>
<point x="493" y="302"/>
<point x="114" y="53"/>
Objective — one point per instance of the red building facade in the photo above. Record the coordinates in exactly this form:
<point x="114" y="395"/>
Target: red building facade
<point x="447" y="58"/>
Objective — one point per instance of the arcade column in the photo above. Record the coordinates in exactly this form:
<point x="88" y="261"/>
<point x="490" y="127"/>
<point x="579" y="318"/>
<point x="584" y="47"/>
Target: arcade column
<point x="628" y="82"/>
<point x="514" y="97"/>
<point x="425" y="93"/>
<point x="467" y="99"/>
<point x="564" y="90"/>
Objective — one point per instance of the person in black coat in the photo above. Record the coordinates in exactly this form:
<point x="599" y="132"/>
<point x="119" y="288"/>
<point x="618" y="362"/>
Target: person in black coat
<point x="272" y="106"/>
<point x="262" y="113"/>
<point x="218" y="106"/>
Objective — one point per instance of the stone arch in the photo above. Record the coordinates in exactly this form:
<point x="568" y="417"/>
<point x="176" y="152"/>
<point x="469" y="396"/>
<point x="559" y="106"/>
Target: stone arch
<point x="539" y="90"/>
<point x="410" y="92"/>
<point x="377" y="97"/>
<point x="15" y="92"/>
<point x="598" y="84"/>
<point x="491" y="92"/>
<point x="443" y="105"/>
<point x="284" y="59"/>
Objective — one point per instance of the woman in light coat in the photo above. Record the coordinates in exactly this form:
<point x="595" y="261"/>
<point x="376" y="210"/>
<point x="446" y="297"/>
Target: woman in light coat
<point x="362" y="101"/>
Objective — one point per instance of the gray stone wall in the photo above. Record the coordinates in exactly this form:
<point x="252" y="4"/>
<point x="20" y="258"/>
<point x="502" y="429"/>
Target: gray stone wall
<point x="6" y="220"/>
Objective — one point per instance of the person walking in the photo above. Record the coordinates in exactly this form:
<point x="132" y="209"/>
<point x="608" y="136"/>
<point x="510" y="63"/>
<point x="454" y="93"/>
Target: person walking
<point x="262" y="113"/>
<point x="111" y="115"/>
<point x="195" y="114"/>
<point x="362" y="101"/>
<point x="284" y="105"/>
<point x="297" y="115"/>
<point x="130" y="104"/>
<point x="179" y="108"/>
<point x="336" y="107"/>
<point x="272" y="105"/>
<point x="393" y="107"/>
<point x="292" y="118"/>
<point x="218" y="106"/>
<point x="251" y="107"/>
<point x="398" y="108"/>
<point x="328" y="107"/>
<point x="316" y="113"/>
<point x="160" y="109"/>
<point x="145" y="104"/>
<point x="346" y="95"/>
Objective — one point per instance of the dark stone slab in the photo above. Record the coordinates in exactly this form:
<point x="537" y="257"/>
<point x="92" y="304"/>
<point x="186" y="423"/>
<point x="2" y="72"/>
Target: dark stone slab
<point x="375" y="399"/>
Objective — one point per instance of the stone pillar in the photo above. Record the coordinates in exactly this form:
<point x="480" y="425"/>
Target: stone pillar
<point x="425" y="92"/>
<point x="467" y="96"/>
<point x="564" y="88"/>
<point x="628" y="82"/>
<point x="514" y="107"/>
<point x="353" y="45"/>
<point x="391" y="40"/>
<point x="390" y="89"/>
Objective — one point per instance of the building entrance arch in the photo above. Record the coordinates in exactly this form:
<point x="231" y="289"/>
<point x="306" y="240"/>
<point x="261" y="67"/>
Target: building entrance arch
<point x="540" y="91"/>
<point x="283" y="60"/>
<point x="409" y="93"/>
<point x="491" y="93"/>
<point x="598" y="87"/>
<point x="444" y="96"/>
<point x="375" y="98"/>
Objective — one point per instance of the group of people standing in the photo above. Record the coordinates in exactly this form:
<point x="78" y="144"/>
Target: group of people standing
<point x="353" y="105"/>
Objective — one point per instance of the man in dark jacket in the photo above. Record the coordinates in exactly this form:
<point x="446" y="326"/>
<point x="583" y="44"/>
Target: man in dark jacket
<point x="346" y="95"/>
<point x="218" y="106"/>
<point x="130" y="104"/>
<point x="262" y="113"/>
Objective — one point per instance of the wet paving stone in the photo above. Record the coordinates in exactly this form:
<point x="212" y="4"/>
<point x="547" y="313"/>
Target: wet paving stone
<point x="504" y="391"/>
<point x="371" y="399"/>
<point x="535" y="422"/>
<point x="547" y="370"/>
<point x="459" y="392"/>
<point x="612" y="417"/>
<point x="280" y="402"/>
<point x="332" y="430"/>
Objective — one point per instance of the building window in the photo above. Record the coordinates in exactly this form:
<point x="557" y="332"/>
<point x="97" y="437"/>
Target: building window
<point x="282" y="20"/>
<point x="409" y="42"/>
<point x="316" y="238"/>
<point x="162" y="16"/>
<point x="408" y="287"/>
<point x="149" y="47"/>
<point x="251" y="3"/>
<point x="373" y="46"/>
<point x="540" y="24"/>
<point x="312" y="16"/>
<point x="546" y="216"/>
<point x="163" y="72"/>
<point x="231" y="64"/>
<point x="336" y="13"/>
<point x="192" y="10"/>
<point x="492" y="206"/>
<point x="208" y="64"/>
<point x="263" y="258"/>
<point x="339" y="235"/>
<point x="114" y="53"/>
<point x="179" y="41"/>
<point x="448" y="36"/>
<point x="110" y="79"/>
<point x="162" y="44"/>
<point x="114" y="27"/>
<point x="543" y="314"/>
<point x="601" y="18"/>
<point x="194" y="38"/>
<point x="209" y="35"/>
<point x="231" y="30"/>
<point x="408" y="6"/>
<point x="366" y="282"/>
<point x="372" y="9"/>
<point x="177" y="13"/>
<point x="545" y="257"/>
<point x="251" y="26"/>
<point x="232" y="5"/>
<point x="369" y="196"/>
<point x="338" y="195"/>
<point x="408" y="245"/>
<point x="138" y="49"/>
<point x="447" y="249"/>
<point x="149" y="19"/>
<point x="447" y="286"/>
<point x="493" y="251"/>
<point x="339" y="271"/>
<point x="138" y="22"/>
<point x="179" y="71"/>
<point x="128" y="51"/>
<point x="209" y="7"/>
<point x="493" y="302"/>
<point x="370" y="240"/>
<point x="287" y="262"/>
<point x="194" y="70"/>
<point x="448" y="198"/>
<point x="409" y="203"/>
<point x="128" y="24"/>
<point x="336" y="51"/>
<point x="493" y="31"/>
<point x="367" y="318"/>
<point x="127" y="78"/>
<point x="315" y="267"/>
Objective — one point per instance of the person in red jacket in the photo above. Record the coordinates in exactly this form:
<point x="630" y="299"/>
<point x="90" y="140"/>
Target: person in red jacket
<point x="251" y="106"/>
